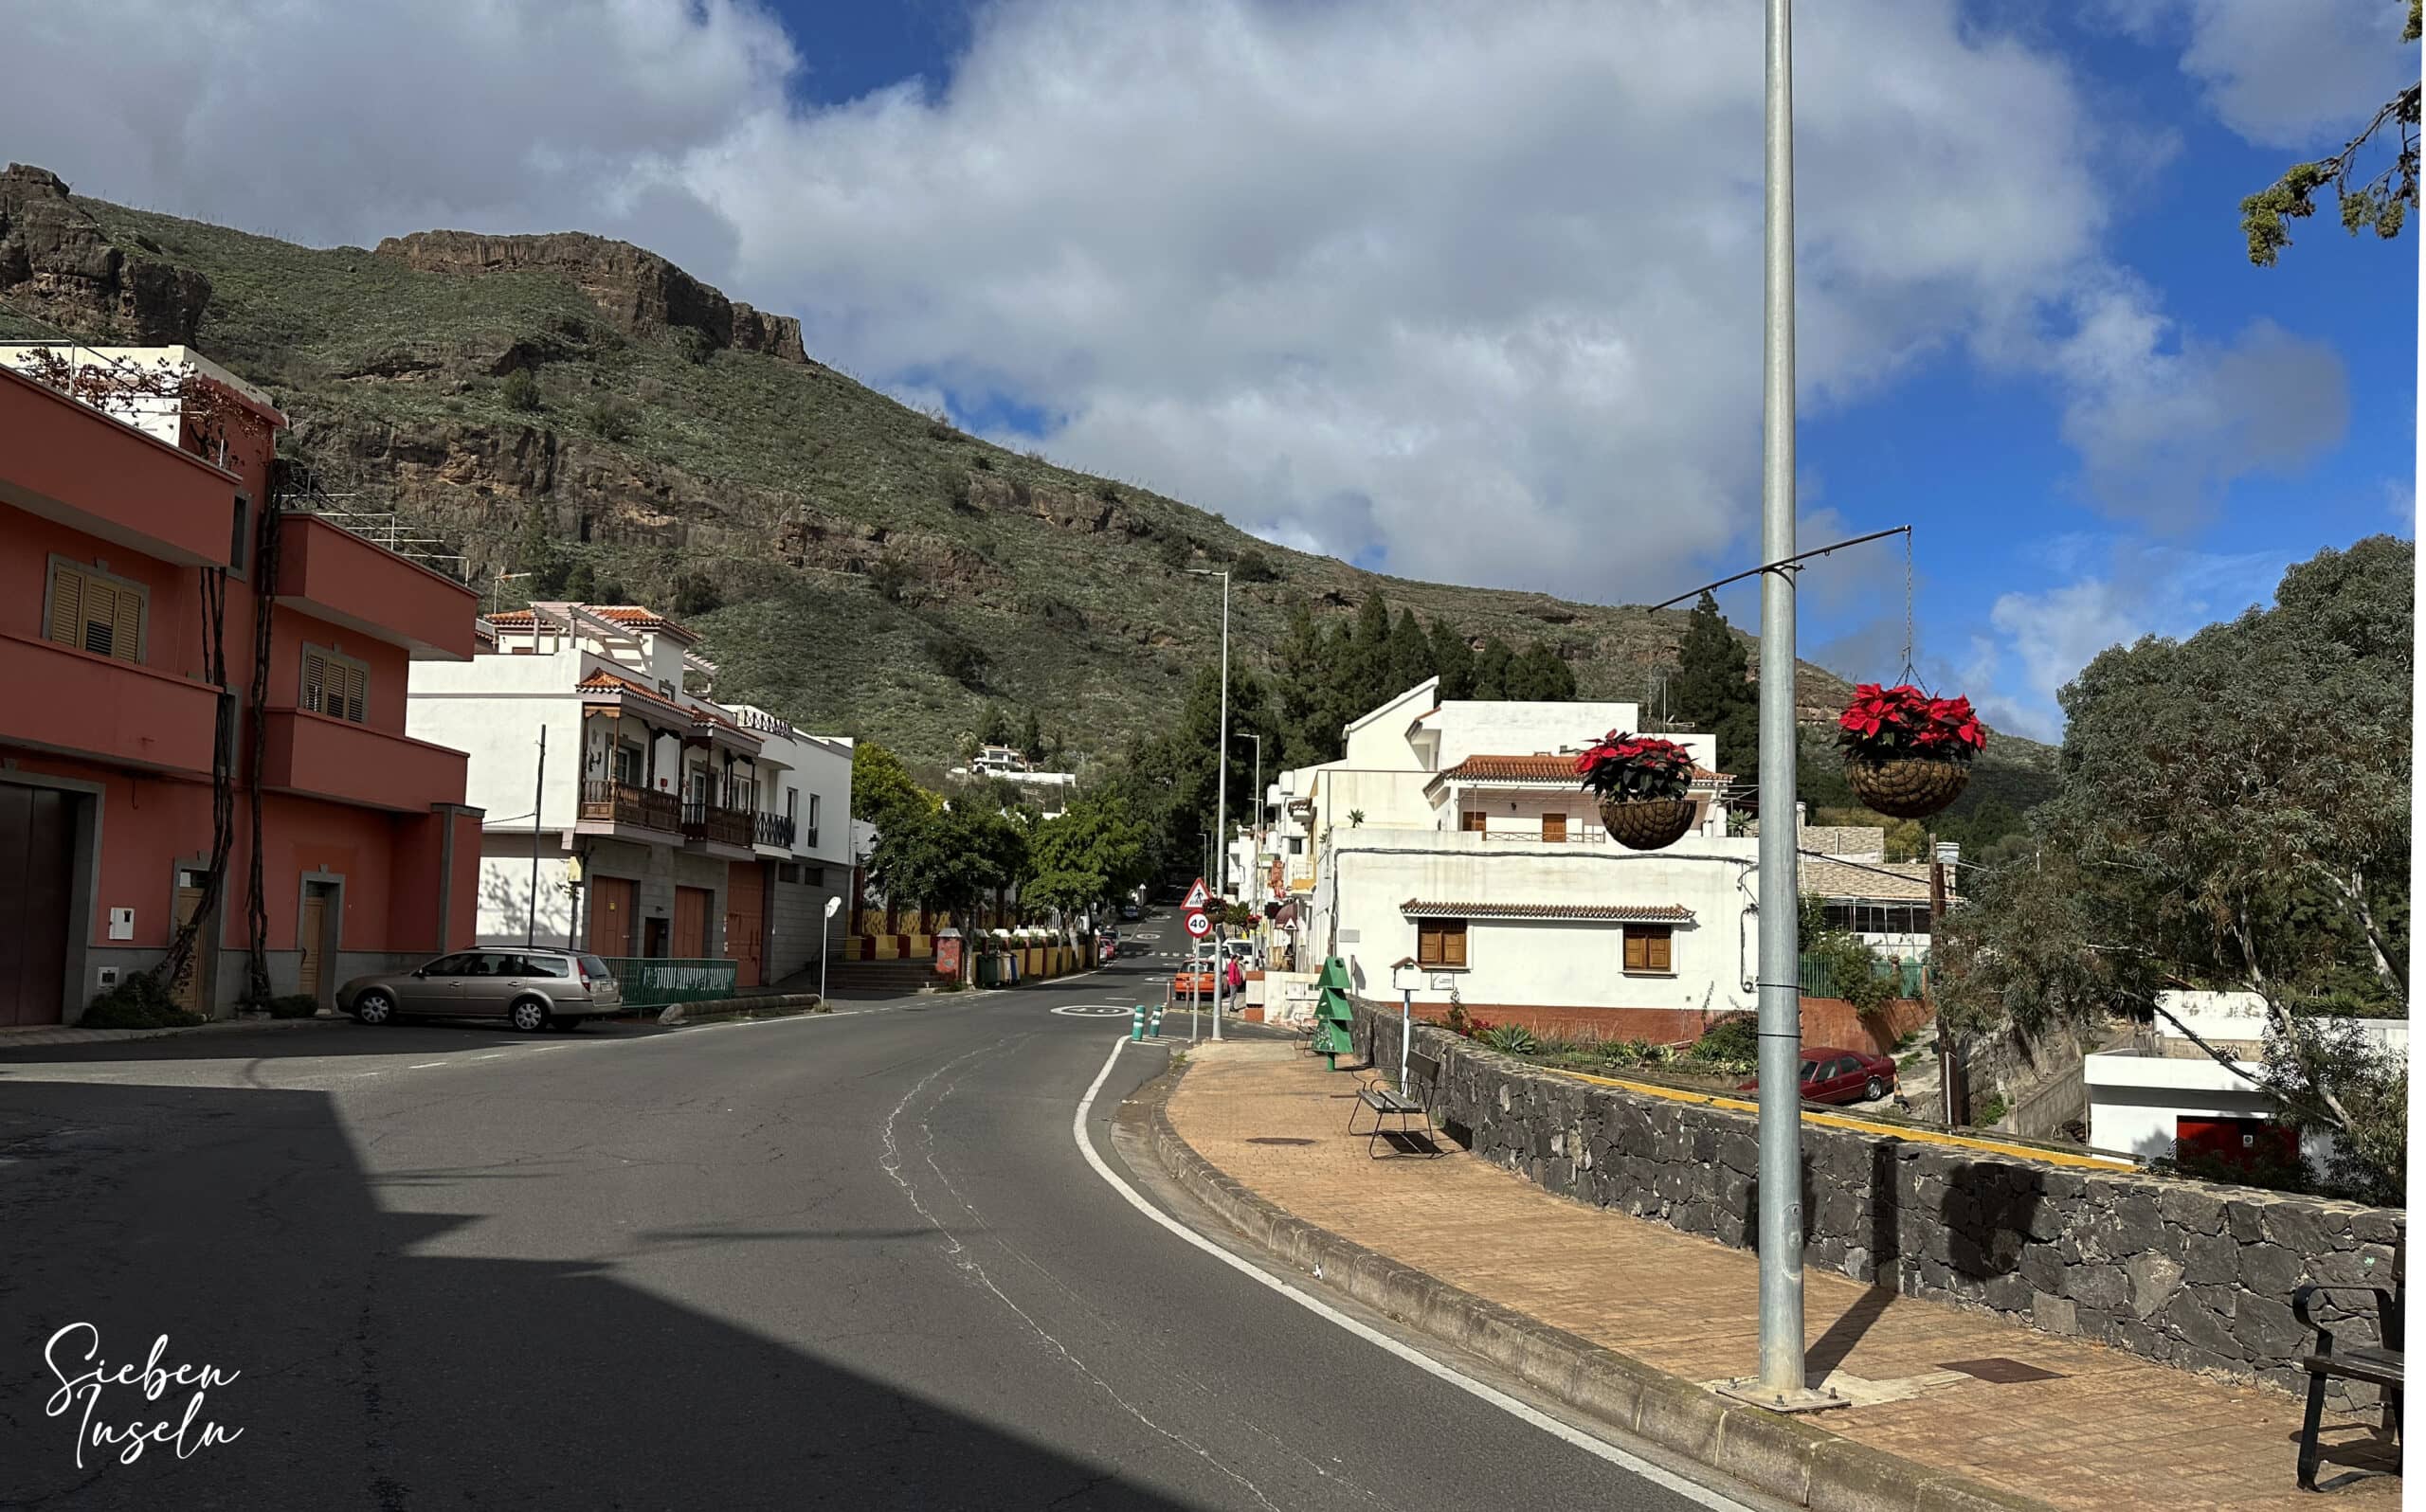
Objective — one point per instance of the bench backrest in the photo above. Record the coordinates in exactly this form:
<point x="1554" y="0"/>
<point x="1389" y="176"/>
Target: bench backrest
<point x="1418" y="1065"/>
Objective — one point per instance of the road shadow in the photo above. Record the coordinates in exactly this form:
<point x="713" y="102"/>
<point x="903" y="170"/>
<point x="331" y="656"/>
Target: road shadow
<point x="323" y="1038"/>
<point x="385" y="1362"/>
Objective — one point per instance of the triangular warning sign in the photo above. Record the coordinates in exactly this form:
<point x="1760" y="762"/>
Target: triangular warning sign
<point x="1196" y="895"/>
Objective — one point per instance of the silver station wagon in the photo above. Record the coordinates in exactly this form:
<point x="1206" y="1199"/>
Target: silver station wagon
<point x="532" y="989"/>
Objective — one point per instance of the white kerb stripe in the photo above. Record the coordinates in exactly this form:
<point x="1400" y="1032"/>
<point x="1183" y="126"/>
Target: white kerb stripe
<point x="1688" y="1489"/>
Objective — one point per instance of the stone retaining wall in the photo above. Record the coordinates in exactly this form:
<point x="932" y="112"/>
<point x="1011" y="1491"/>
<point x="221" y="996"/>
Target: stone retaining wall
<point x="2193" y="1274"/>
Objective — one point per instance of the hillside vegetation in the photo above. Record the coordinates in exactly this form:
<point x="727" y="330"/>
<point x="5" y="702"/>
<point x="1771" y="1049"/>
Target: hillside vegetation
<point x="581" y="411"/>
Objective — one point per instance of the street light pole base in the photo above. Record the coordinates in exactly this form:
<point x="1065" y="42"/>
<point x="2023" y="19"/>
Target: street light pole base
<point x="1808" y="1399"/>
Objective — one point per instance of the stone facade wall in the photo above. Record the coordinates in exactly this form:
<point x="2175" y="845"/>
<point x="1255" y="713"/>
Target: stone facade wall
<point x="2196" y="1275"/>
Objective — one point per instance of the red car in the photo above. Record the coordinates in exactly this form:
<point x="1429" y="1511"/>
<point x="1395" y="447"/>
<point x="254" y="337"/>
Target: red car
<point x="1834" y="1075"/>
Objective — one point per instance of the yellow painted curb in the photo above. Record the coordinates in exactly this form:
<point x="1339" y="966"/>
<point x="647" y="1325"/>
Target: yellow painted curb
<point x="1920" y="1136"/>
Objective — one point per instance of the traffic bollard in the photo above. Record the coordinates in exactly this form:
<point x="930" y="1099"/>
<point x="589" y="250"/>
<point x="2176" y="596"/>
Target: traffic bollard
<point x="1154" y="1025"/>
<point x="1137" y="1023"/>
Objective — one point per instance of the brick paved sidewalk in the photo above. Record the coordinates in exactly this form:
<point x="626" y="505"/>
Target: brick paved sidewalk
<point x="2109" y="1431"/>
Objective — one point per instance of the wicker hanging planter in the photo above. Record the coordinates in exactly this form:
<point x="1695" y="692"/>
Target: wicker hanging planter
<point x="1641" y="783"/>
<point x="1907" y="755"/>
<point x="1908" y="786"/>
<point x="1647" y="825"/>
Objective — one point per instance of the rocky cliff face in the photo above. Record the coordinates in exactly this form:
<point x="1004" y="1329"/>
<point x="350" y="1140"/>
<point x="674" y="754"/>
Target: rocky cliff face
<point x="638" y="290"/>
<point x="58" y="264"/>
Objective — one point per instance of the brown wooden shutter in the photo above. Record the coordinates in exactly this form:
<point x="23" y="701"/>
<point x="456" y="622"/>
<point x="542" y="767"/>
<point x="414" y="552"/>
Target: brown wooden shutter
<point x="126" y="627"/>
<point x="1553" y="826"/>
<point x="1427" y="943"/>
<point x="1453" y="941"/>
<point x="1654" y="950"/>
<point x="357" y="687"/>
<point x="68" y="605"/>
<point x="1471" y="821"/>
<point x="1636" y="953"/>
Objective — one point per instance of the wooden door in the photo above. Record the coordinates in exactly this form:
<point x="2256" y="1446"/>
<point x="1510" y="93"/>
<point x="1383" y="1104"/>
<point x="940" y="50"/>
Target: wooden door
<point x="309" y="936"/>
<point x="188" y="900"/>
<point x="611" y="901"/>
<point x="745" y="922"/>
<point x="1554" y="826"/>
<point x="37" y="854"/>
<point x="1472" y="821"/>
<point x="691" y="923"/>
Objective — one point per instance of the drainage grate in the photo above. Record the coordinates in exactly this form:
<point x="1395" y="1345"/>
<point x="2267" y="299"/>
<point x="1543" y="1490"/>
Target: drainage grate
<point x="2001" y="1372"/>
<point x="1275" y="1139"/>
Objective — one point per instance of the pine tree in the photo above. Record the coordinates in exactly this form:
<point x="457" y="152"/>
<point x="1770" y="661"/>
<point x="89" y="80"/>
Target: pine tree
<point x="1410" y="655"/>
<point x="1711" y="694"/>
<point x="1453" y="660"/>
<point x="1539" y="674"/>
<point x="994" y="729"/>
<point x="1367" y="678"/>
<point x="1031" y="736"/>
<point x="1492" y="666"/>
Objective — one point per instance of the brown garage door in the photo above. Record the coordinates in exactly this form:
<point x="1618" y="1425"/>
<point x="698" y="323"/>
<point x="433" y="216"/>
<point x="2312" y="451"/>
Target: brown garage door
<point x="36" y="853"/>
<point x="744" y="921"/>
<point x="610" y="915"/>
<point x="691" y="923"/>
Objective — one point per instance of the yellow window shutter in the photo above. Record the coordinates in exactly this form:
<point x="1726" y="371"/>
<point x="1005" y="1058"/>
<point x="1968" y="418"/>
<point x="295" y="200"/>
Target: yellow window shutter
<point x="1453" y="941"/>
<point x="68" y="605"/>
<point x="1635" y="954"/>
<point x="100" y="617"/>
<point x="1656" y="951"/>
<point x="126" y="627"/>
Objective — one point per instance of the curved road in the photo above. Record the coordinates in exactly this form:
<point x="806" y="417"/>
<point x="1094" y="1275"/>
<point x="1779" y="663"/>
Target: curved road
<point x="855" y="1260"/>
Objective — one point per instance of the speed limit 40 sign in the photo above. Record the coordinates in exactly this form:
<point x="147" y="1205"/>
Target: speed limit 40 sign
<point x="1199" y="926"/>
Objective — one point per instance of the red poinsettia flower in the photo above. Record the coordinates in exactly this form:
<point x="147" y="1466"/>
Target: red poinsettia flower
<point x="1884" y="723"/>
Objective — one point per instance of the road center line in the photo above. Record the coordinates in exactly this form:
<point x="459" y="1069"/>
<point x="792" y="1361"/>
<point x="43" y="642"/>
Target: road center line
<point x="1688" y="1489"/>
<point x="424" y="1064"/>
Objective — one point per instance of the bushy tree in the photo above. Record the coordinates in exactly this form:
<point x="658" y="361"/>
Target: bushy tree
<point x="2233" y="814"/>
<point x="994" y="727"/>
<point x="1031" y="735"/>
<point x="882" y="790"/>
<point x="1087" y="855"/>
<point x="1453" y="660"/>
<point x="944" y="858"/>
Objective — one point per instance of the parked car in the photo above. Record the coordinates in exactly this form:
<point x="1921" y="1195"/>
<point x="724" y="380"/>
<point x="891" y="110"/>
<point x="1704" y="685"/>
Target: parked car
<point x="531" y="989"/>
<point x="1831" y="1074"/>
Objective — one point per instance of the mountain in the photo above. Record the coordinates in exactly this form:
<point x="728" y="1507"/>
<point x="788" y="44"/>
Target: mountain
<point x="575" y="405"/>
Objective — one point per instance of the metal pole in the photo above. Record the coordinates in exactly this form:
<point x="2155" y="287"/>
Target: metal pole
<point x="826" y="947"/>
<point x="538" y="801"/>
<point x="1780" y="988"/>
<point x="1221" y="816"/>
<point x="1406" y="1038"/>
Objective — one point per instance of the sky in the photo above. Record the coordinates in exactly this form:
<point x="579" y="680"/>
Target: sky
<point x="1468" y="292"/>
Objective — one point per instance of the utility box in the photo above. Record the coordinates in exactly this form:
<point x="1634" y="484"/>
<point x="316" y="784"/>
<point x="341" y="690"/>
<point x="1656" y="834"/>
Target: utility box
<point x="1333" y="1013"/>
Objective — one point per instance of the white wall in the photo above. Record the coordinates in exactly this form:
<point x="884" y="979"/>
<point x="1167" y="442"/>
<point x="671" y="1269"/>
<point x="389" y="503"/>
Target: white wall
<point x="1372" y="872"/>
<point x="1479" y="728"/>
<point x="500" y="734"/>
<point x="505" y="890"/>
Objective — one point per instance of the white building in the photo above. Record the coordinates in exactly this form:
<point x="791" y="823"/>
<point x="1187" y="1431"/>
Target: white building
<point x="667" y="825"/>
<point x="1458" y="835"/>
<point x="2163" y="1092"/>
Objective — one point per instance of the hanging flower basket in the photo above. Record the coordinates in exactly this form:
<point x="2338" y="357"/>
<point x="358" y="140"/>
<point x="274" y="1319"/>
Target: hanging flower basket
<point x="1641" y="783"/>
<point x="1907" y="755"/>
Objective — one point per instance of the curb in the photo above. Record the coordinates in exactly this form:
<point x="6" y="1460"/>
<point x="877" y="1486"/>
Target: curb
<point x="71" y="1034"/>
<point x="772" y="1005"/>
<point x="1778" y="1454"/>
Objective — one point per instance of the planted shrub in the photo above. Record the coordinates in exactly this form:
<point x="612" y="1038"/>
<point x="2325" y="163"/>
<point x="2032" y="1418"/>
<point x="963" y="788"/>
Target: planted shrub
<point x="140" y="1002"/>
<point x="520" y="390"/>
<point x="292" y="1005"/>
<point x="1511" y="1039"/>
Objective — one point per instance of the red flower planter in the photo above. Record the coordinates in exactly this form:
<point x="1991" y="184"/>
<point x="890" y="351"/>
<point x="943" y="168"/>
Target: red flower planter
<point x="1907" y="755"/>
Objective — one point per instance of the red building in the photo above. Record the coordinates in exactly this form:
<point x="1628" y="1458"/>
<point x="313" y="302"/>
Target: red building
<point x="155" y="568"/>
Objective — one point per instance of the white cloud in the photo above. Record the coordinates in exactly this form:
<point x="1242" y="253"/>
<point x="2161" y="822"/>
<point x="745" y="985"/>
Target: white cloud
<point x="1477" y="285"/>
<point x="2043" y="640"/>
<point x="2280" y="72"/>
<point x="2162" y="422"/>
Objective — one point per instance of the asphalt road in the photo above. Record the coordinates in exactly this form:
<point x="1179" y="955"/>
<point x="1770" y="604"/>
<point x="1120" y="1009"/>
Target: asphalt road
<point x="855" y="1260"/>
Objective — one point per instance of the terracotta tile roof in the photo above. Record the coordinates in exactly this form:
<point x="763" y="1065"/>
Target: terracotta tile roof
<point x="1601" y="912"/>
<point x="510" y="618"/>
<point x="639" y="616"/>
<point x="1558" y="769"/>
<point x="604" y="681"/>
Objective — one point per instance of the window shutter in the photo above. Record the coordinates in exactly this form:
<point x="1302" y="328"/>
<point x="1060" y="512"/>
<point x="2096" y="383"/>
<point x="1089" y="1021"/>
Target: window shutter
<point x="1427" y="944"/>
<point x="357" y="689"/>
<point x="101" y="618"/>
<point x="1453" y="943"/>
<point x="1554" y="826"/>
<point x="1656" y="951"/>
<point x="68" y="605"/>
<point x="1635" y="954"/>
<point x="315" y="682"/>
<point x="126" y="626"/>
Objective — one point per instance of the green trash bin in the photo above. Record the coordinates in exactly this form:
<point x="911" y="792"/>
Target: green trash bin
<point x="989" y="971"/>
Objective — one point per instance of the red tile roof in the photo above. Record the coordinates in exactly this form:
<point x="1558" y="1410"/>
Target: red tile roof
<point x="1559" y="769"/>
<point x="1604" y="912"/>
<point x="604" y="681"/>
<point x="631" y="616"/>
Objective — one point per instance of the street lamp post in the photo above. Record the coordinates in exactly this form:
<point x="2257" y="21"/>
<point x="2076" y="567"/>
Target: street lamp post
<point x="826" y="944"/>
<point x="1220" y="798"/>
<point x="1781" y="1385"/>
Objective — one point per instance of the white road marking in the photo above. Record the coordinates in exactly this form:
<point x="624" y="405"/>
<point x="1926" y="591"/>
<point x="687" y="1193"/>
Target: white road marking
<point x="494" y="1055"/>
<point x="1701" y="1495"/>
<point x="424" y="1064"/>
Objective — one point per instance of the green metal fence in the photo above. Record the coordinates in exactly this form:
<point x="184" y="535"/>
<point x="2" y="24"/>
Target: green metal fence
<point x="656" y="981"/>
<point x="1819" y="980"/>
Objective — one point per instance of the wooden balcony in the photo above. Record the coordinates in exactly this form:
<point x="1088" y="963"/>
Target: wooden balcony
<point x="612" y="802"/>
<point x="719" y="825"/>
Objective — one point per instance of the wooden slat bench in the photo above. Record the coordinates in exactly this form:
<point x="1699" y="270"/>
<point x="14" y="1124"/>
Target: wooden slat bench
<point x="1386" y="1103"/>
<point x="2377" y="1364"/>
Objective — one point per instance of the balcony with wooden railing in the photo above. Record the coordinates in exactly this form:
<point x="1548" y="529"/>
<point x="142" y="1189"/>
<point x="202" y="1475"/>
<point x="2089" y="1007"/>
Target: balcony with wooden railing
<point x="715" y="824"/>
<point x="605" y="801"/>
